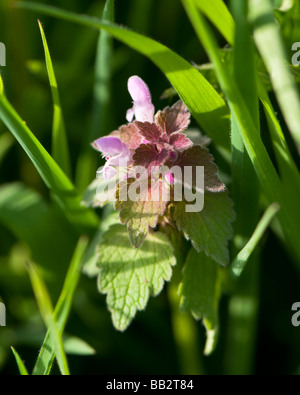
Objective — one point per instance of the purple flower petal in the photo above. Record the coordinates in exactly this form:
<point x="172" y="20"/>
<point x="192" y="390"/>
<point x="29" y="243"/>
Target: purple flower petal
<point x="109" y="145"/>
<point x="145" y="112"/>
<point x="142" y="109"/>
<point x="169" y="177"/>
<point x="108" y="172"/>
<point x="121" y="160"/>
<point x="138" y="90"/>
<point x="130" y="115"/>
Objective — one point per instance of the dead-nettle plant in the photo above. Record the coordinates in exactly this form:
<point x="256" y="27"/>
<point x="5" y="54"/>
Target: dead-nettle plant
<point x="163" y="184"/>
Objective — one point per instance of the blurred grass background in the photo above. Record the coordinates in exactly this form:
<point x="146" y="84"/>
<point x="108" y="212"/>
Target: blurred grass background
<point x="148" y="346"/>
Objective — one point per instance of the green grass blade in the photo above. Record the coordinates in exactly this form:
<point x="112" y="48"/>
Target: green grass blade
<point x="246" y="195"/>
<point x="251" y="138"/>
<point x="56" y="180"/>
<point x="22" y="368"/>
<point x="60" y="147"/>
<point x="269" y="42"/>
<point x="264" y="168"/>
<point x="205" y="104"/>
<point x="62" y="310"/>
<point x="1" y="86"/>
<point x="6" y="142"/>
<point x="290" y="175"/>
<point x="218" y="13"/>
<point x="47" y="313"/>
<point x="103" y="67"/>
<point x="243" y="256"/>
<point x="245" y="185"/>
<point x="75" y="346"/>
<point x="87" y="162"/>
<point x="31" y="219"/>
<point x="288" y="168"/>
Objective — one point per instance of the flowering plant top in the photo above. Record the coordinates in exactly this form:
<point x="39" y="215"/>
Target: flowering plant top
<point x="153" y="156"/>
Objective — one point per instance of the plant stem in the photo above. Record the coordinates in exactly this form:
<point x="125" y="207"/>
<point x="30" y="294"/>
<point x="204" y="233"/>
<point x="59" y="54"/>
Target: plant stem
<point x="186" y="336"/>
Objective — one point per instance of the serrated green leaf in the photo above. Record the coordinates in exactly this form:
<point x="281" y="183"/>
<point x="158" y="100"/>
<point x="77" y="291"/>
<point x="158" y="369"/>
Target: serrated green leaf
<point x="210" y="229"/>
<point x="139" y="214"/>
<point x="129" y="276"/>
<point x="96" y="195"/>
<point x="200" y="292"/>
<point x="90" y="260"/>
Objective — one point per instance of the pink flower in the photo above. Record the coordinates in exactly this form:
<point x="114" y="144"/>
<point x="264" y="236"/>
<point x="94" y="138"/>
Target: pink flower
<point x="143" y="109"/>
<point x="169" y="177"/>
<point x="115" y="152"/>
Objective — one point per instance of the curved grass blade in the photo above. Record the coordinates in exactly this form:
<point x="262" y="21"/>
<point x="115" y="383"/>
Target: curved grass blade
<point x="270" y="44"/>
<point x="62" y="310"/>
<point x="251" y="138"/>
<point x="87" y="162"/>
<point x="1" y="86"/>
<point x="265" y="170"/>
<point x="22" y="368"/>
<point x="243" y="256"/>
<point x="56" y="180"/>
<point x="46" y="310"/>
<point x="226" y="27"/>
<point x="246" y="196"/>
<point x="288" y="169"/>
<point x="103" y="67"/>
<point x="205" y="104"/>
<point x="6" y="142"/>
<point x="31" y="220"/>
<point x="218" y="13"/>
<point x="60" y="147"/>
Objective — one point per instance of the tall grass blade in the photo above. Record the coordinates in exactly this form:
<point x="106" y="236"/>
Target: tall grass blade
<point x="243" y="256"/>
<point x="205" y="104"/>
<point x="87" y="162"/>
<point x="56" y="180"/>
<point x="264" y="168"/>
<point x="47" y="313"/>
<point x="22" y="368"/>
<point x="269" y="42"/>
<point x="60" y="147"/>
<point x="62" y="310"/>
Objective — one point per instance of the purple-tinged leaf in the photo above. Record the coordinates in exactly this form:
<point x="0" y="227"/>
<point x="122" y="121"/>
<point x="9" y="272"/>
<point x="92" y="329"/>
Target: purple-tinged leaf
<point x="173" y="119"/>
<point x="140" y="214"/>
<point x="150" y="131"/>
<point x="180" y="141"/>
<point x="148" y="156"/>
<point x="200" y="156"/>
<point x="129" y="135"/>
